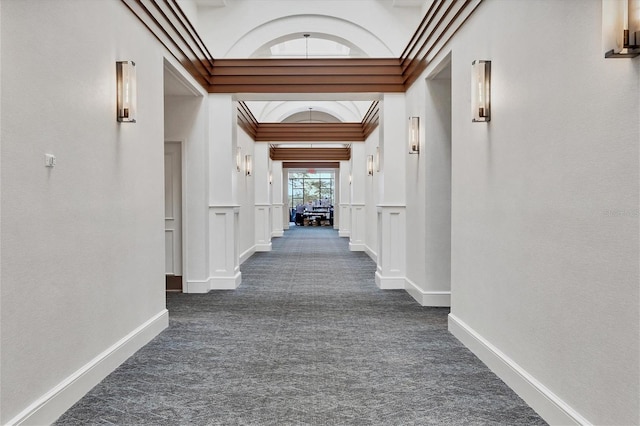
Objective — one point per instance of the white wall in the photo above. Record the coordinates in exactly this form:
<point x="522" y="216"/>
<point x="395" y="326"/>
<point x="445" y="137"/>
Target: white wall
<point x="82" y="243"/>
<point x="428" y="175"/>
<point x="246" y="200"/>
<point x="371" y="196"/>
<point x="545" y="200"/>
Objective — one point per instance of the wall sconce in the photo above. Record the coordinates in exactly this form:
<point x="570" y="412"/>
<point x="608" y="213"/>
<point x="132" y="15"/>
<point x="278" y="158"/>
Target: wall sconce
<point x="414" y="135"/>
<point x="370" y="165"/>
<point x="126" y="91"/>
<point x="377" y="159"/>
<point x="248" y="165"/>
<point x="350" y="179"/>
<point x="238" y="159"/>
<point x="618" y="17"/>
<point x="270" y="178"/>
<point x="481" y="91"/>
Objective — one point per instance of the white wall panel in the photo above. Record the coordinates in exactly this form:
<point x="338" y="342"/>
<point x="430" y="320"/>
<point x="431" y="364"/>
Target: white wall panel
<point x="82" y="242"/>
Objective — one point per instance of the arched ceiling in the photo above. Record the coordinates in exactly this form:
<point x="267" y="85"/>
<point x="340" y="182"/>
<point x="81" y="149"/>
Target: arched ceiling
<point x="355" y="26"/>
<point x="235" y="32"/>
<point x="239" y="28"/>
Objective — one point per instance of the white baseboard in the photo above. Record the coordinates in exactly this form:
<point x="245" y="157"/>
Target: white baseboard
<point x="53" y="404"/>
<point x="247" y="254"/>
<point x="428" y="298"/>
<point x="372" y="254"/>
<point x="225" y="283"/>
<point x="263" y="247"/>
<point x="389" y="283"/>
<point x="547" y="404"/>
<point x="343" y="233"/>
<point x="278" y="233"/>
<point x="197" y="287"/>
<point x="357" y="247"/>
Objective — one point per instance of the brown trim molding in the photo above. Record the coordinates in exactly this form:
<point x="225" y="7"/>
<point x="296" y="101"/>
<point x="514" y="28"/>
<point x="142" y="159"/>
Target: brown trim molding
<point x="166" y="20"/>
<point x="309" y="154"/>
<point x="310" y="165"/>
<point x="247" y="121"/>
<point x="371" y="120"/>
<point x="439" y="24"/>
<point x="306" y="75"/>
<point x="308" y="132"/>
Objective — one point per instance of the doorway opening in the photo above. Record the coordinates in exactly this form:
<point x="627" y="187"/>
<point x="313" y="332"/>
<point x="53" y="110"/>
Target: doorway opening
<point x="173" y="215"/>
<point x="438" y="185"/>
<point x="311" y="195"/>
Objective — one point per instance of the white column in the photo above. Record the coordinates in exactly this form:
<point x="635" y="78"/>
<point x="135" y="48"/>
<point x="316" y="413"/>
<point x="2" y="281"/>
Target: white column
<point x="344" y="202"/>
<point x="224" y="264"/>
<point x="277" y="203"/>
<point x="391" y="262"/>
<point x="357" y="235"/>
<point x="262" y="197"/>
<point x="285" y="199"/>
<point x="336" y="199"/>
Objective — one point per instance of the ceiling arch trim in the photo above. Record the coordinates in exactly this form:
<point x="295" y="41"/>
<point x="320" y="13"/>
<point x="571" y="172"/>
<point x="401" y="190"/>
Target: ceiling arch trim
<point x="278" y="111"/>
<point x="265" y="50"/>
<point x="285" y="28"/>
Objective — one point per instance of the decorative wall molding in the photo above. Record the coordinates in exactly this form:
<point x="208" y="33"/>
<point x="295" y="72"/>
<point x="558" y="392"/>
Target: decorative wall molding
<point x="262" y="221"/>
<point x="391" y="261"/>
<point x="547" y="404"/>
<point x="50" y="406"/>
<point x="224" y="265"/>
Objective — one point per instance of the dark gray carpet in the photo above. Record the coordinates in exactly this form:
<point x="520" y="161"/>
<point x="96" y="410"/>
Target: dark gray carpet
<point x="307" y="339"/>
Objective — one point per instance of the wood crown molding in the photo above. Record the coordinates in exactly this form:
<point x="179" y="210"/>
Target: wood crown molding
<point x="308" y="132"/>
<point x="310" y="165"/>
<point x="310" y="154"/>
<point x="166" y="20"/>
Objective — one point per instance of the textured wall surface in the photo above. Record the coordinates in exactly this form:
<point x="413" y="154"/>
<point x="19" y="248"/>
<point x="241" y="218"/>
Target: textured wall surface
<point x="82" y="243"/>
<point x="545" y="202"/>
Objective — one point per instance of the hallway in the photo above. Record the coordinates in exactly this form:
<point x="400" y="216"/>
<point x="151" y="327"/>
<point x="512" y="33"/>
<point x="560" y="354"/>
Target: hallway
<point x="306" y="339"/>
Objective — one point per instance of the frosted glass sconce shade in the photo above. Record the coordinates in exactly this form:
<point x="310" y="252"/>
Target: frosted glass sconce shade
<point x="414" y="135"/>
<point x="238" y="159"/>
<point x="620" y="26"/>
<point x="481" y="91"/>
<point x="370" y="165"/>
<point x="126" y="91"/>
<point x="248" y="164"/>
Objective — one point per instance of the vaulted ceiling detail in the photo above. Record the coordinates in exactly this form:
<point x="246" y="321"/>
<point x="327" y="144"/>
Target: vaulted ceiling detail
<point x="168" y="22"/>
<point x="308" y="132"/>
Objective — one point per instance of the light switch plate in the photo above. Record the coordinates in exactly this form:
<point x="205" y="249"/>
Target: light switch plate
<point x="49" y="160"/>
